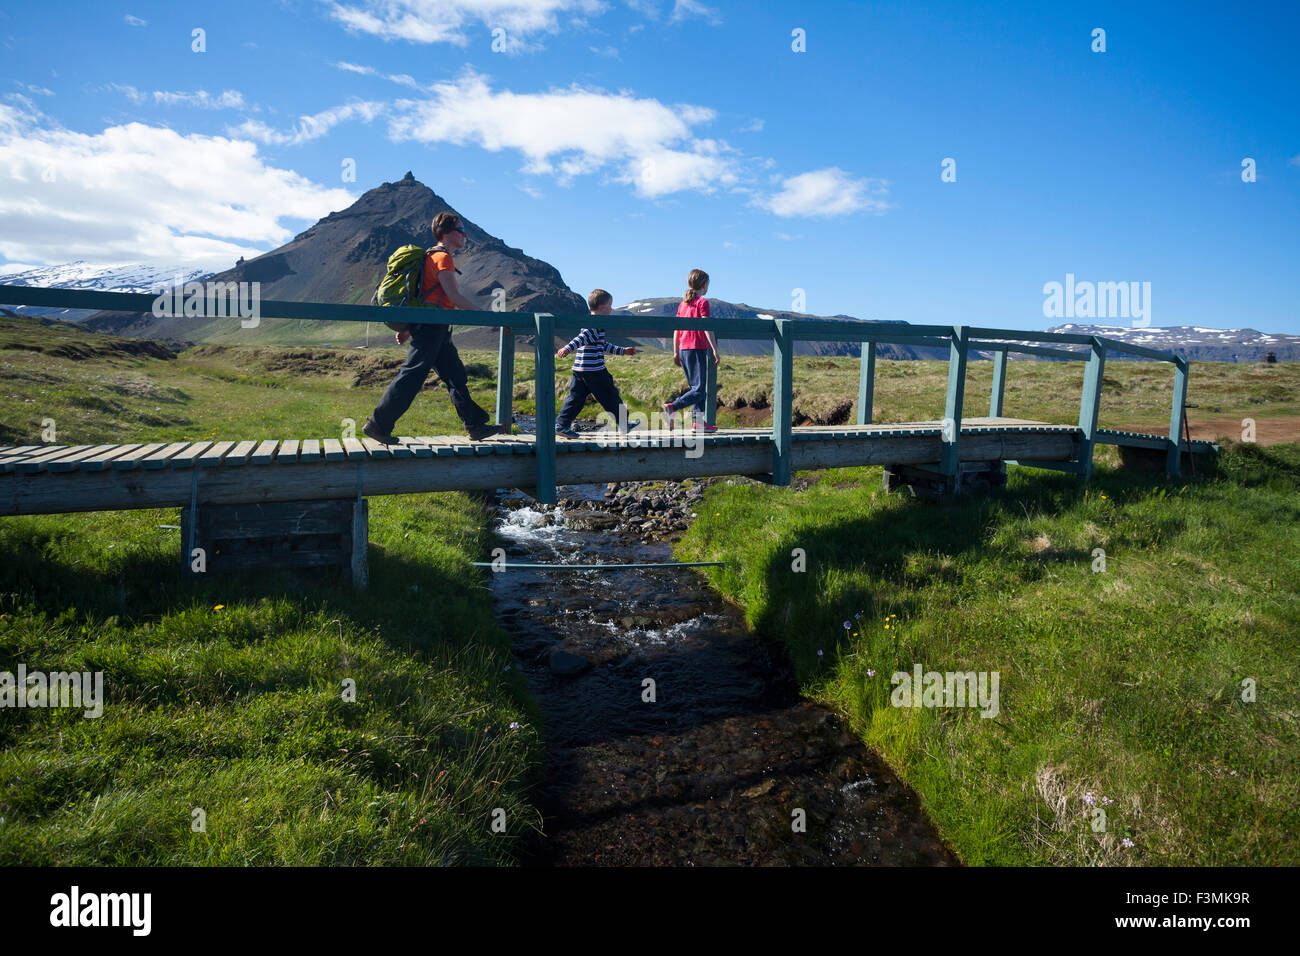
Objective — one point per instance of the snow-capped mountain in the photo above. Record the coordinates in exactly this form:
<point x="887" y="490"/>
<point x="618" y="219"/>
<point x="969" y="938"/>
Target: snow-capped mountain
<point x="84" y="275"/>
<point x="1198" y="344"/>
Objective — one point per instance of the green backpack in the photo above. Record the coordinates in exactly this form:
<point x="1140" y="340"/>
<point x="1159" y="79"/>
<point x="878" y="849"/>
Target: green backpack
<point x="400" y="285"/>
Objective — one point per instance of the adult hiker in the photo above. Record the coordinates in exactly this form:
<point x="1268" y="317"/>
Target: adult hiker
<point x="431" y="346"/>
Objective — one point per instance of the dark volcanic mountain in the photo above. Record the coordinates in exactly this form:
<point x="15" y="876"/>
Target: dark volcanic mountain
<point x="721" y="309"/>
<point x="342" y="258"/>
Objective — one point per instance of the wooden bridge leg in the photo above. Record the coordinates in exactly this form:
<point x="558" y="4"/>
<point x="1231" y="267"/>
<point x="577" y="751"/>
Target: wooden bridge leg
<point x="999" y="383"/>
<point x="866" y="383"/>
<point x="544" y="391"/>
<point x="957" y="349"/>
<point x="1177" y="444"/>
<point x="710" y="392"/>
<point x="1090" y="405"/>
<point x="782" y="400"/>
<point x="506" y="377"/>
<point x="331" y="532"/>
<point x="359" y="559"/>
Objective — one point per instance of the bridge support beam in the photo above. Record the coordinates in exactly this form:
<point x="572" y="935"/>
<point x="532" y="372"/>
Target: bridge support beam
<point x="710" y="392"/>
<point x="999" y="383"/>
<point x="1090" y="405"/>
<point x="333" y="532"/>
<point x="866" y="383"/>
<point x="506" y="376"/>
<point x="544" y="396"/>
<point x="957" y="348"/>
<point x="782" y="402"/>
<point x="1177" y="415"/>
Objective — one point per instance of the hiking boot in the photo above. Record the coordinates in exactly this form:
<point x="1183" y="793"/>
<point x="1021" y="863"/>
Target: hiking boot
<point x="480" y="432"/>
<point x="566" y="432"/>
<point x="371" y="430"/>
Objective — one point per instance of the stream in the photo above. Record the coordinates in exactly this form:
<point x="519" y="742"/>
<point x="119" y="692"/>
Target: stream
<point x="718" y="760"/>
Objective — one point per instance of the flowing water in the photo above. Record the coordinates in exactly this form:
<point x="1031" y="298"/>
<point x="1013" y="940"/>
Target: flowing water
<point x="718" y="760"/>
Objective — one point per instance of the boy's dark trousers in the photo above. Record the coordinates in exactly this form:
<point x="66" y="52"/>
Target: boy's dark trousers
<point x="430" y="348"/>
<point x="598" y="385"/>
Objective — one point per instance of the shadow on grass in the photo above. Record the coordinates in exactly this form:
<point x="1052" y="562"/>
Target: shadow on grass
<point x="925" y="544"/>
<point x="412" y="605"/>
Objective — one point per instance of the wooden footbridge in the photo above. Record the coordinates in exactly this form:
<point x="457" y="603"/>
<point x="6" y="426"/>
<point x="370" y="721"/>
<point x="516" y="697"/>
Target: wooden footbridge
<point x="940" y="455"/>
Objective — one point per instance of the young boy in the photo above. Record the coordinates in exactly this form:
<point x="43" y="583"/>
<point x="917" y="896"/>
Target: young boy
<point x="590" y="377"/>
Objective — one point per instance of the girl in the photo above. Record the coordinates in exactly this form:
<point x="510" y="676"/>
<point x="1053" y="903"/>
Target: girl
<point x="691" y="349"/>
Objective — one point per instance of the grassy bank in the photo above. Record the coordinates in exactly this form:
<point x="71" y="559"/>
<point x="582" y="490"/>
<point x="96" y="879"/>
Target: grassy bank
<point x="1122" y="687"/>
<point x="227" y="696"/>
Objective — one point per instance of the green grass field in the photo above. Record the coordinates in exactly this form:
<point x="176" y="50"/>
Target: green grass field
<point x="226" y="696"/>
<point x="1123" y="685"/>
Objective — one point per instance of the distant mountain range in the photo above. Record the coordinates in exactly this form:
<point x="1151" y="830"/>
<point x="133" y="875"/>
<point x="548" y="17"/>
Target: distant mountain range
<point x="342" y="257"/>
<point x="1198" y="344"/>
<point x="82" y="275"/>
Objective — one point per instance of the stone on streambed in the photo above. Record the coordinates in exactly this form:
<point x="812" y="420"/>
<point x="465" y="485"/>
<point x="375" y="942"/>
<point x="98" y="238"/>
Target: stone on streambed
<point x="564" y="664"/>
<point x="587" y="520"/>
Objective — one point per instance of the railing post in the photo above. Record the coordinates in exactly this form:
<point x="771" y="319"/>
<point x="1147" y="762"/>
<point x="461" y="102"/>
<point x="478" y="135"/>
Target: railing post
<point x="506" y="376"/>
<point x="544" y="401"/>
<point x="1177" y="414"/>
<point x="999" y="383"/>
<point x="782" y="400"/>
<point x="1090" y="405"/>
<point x="710" y="391"/>
<point x="866" y="383"/>
<point x="952" y="409"/>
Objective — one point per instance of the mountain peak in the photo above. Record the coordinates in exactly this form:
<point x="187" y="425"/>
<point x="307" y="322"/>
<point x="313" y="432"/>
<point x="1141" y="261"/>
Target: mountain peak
<point x="409" y="177"/>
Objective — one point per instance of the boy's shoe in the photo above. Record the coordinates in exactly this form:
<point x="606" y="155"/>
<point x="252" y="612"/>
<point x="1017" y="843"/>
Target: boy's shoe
<point x="566" y="432"/>
<point x="480" y="432"/>
<point x="633" y="425"/>
<point x="371" y="430"/>
<point x="705" y="427"/>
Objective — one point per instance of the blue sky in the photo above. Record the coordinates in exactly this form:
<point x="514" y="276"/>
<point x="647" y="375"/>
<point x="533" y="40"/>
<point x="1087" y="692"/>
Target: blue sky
<point x="627" y="143"/>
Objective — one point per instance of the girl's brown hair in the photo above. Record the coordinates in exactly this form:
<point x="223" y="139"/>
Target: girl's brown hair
<point x="697" y="282"/>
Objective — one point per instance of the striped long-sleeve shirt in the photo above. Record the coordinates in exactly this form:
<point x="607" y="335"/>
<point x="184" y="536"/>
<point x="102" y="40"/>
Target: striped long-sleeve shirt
<point x="589" y="348"/>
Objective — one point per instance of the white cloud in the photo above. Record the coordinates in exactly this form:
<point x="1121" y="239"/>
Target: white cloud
<point x="753" y="126"/>
<point x="828" y="192"/>
<point x="571" y="132"/>
<point x="401" y="79"/>
<point x="308" y="128"/>
<point x="138" y="193"/>
<point x="36" y="90"/>
<point x="1294" y="160"/>
<point x="202" y="99"/>
<point x="606" y="51"/>
<point x="448" y="21"/>
<point x="683" y="9"/>
<point x="135" y="21"/>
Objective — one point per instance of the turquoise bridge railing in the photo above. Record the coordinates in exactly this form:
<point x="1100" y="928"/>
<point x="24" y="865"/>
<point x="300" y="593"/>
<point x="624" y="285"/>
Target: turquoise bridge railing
<point x="960" y="340"/>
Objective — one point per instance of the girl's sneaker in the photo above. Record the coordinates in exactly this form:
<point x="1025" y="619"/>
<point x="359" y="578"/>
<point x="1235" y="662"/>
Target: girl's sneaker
<point x="669" y="414"/>
<point x="705" y="427"/>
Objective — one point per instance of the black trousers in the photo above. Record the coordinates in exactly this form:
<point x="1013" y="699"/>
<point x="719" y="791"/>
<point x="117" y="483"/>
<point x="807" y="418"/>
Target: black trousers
<point x="584" y="385"/>
<point x="430" y="348"/>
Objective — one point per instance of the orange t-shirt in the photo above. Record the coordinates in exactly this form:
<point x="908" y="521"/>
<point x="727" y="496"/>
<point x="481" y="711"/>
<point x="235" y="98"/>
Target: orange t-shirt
<point x="434" y="263"/>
